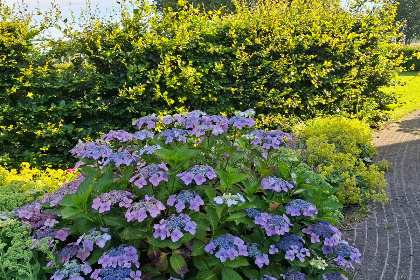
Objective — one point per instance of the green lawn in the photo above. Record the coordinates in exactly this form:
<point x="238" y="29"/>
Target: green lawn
<point x="408" y="94"/>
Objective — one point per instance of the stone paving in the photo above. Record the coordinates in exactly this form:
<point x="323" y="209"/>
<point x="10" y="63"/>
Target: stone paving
<point x="389" y="239"/>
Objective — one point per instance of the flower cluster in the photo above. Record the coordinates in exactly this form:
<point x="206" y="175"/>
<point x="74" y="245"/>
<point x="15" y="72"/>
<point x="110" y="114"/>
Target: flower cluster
<point x="72" y="270"/>
<point x="276" y="184"/>
<point x="121" y="158"/>
<point x="149" y="149"/>
<point x="150" y="121"/>
<point x="120" y="135"/>
<point x="138" y="211"/>
<point x="198" y="173"/>
<point x="104" y="202"/>
<point x="143" y="135"/>
<point x="273" y="224"/>
<point x="260" y="258"/>
<point x="87" y="240"/>
<point x="228" y="245"/>
<point x="324" y="230"/>
<point x="334" y="276"/>
<point x="268" y="139"/>
<point x="183" y="198"/>
<point x="293" y="246"/>
<point x="241" y="121"/>
<point x="343" y="252"/>
<point x="229" y="199"/>
<point x="68" y="188"/>
<point x="299" y="207"/>
<point x="153" y="172"/>
<point x="172" y="226"/>
<point x="98" y="151"/>
<point x="174" y="134"/>
<point x="294" y="275"/>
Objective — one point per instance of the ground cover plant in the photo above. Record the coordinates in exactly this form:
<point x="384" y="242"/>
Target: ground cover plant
<point x="191" y="196"/>
<point x="287" y="59"/>
<point x="342" y="150"/>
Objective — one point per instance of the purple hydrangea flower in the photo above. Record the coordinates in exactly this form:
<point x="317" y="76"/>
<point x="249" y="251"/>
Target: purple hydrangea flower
<point x="290" y="240"/>
<point x="150" y="121"/>
<point x="122" y="158"/>
<point x="68" y="188"/>
<point x="251" y="212"/>
<point x="241" y="121"/>
<point x="104" y="202"/>
<point x="155" y="173"/>
<point x="268" y="277"/>
<point x="28" y="210"/>
<point x="174" y="134"/>
<point x="120" y="135"/>
<point x="183" y="198"/>
<point x="172" y="227"/>
<point x="296" y="252"/>
<point x="91" y="238"/>
<point x="97" y="152"/>
<point x="143" y="135"/>
<point x="268" y="139"/>
<point x="68" y="252"/>
<point x="81" y="147"/>
<point x="72" y="270"/>
<point x="149" y="149"/>
<point x="122" y="255"/>
<point x="334" y="276"/>
<point x="113" y="273"/>
<point x="299" y="207"/>
<point x="138" y="211"/>
<point x="344" y="253"/>
<point x="198" y="173"/>
<point x="229" y="199"/>
<point x="273" y="224"/>
<point x="260" y="258"/>
<point x="228" y="246"/>
<point x="324" y="230"/>
<point x="62" y="234"/>
<point x="276" y="184"/>
<point x="294" y="275"/>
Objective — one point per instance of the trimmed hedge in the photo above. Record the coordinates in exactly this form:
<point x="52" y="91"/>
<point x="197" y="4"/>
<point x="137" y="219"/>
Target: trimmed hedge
<point x="287" y="60"/>
<point x="413" y="58"/>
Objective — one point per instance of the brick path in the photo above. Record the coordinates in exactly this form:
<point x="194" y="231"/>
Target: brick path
<point x="389" y="239"/>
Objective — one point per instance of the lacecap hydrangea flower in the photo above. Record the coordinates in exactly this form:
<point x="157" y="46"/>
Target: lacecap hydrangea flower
<point x="229" y="199"/>
<point x="294" y="275"/>
<point x="183" y="198"/>
<point x="198" y="173"/>
<point x="334" y="276"/>
<point x="276" y="184"/>
<point x="119" y="135"/>
<point x="343" y="253"/>
<point x="72" y="270"/>
<point x="299" y="207"/>
<point x="323" y="230"/>
<point x="123" y="255"/>
<point x="154" y="173"/>
<point x="268" y="139"/>
<point x="173" y="226"/>
<point x="138" y="210"/>
<point x="260" y="258"/>
<point x="273" y="224"/>
<point x="174" y="134"/>
<point x="104" y="202"/>
<point x="227" y="246"/>
<point x="98" y="237"/>
<point x="293" y="245"/>
<point x="149" y="121"/>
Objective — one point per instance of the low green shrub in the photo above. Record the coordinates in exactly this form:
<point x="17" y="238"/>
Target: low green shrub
<point x="412" y="54"/>
<point x="342" y="150"/>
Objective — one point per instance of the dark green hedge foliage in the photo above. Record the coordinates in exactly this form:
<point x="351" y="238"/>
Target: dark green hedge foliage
<point x="289" y="61"/>
<point x="413" y="56"/>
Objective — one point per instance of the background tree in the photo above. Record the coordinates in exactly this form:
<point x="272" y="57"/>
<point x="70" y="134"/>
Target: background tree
<point x="408" y="13"/>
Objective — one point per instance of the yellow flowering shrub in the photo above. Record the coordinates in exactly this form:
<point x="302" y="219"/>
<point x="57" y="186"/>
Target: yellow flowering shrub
<point x="29" y="184"/>
<point x="341" y="149"/>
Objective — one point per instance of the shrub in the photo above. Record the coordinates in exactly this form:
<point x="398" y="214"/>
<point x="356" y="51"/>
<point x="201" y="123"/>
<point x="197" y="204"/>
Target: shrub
<point x="287" y="59"/>
<point x="413" y="58"/>
<point x="342" y="150"/>
<point x="192" y="196"/>
<point x="29" y="184"/>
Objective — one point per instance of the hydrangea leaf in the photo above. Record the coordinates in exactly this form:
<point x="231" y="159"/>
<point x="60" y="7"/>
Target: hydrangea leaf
<point x="237" y="262"/>
<point x="198" y="248"/>
<point x="178" y="264"/>
<point x="206" y="275"/>
<point x="235" y="217"/>
<point x="230" y="274"/>
<point x="212" y="217"/>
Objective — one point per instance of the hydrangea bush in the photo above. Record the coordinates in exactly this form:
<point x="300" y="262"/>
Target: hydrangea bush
<point x="191" y="196"/>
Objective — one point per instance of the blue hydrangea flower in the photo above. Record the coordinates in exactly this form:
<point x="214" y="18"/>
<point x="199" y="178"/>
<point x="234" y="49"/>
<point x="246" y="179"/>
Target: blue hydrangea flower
<point x="241" y="121"/>
<point x="273" y="224"/>
<point x="229" y="199"/>
<point x="289" y="240"/>
<point x="294" y="275"/>
<point x="174" y="134"/>
<point x="150" y="121"/>
<point x="120" y="135"/>
<point x="149" y="149"/>
<point x="72" y="270"/>
<point x="251" y="212"/>
<point x="276" y="184"/>
<point x="334" y="276"/>
<point x="154" y="173"/>
<point x="172" y="227"/>
<point x="260" y="258"/>
<point x="299" y="207"/>
<point x="198" y="173"/>
<point x="98" y="237"/>
<point x="143" y="134"/>
<point x="228" y="246"/>
<point x="268" y="139"/>
<point x="324" y="230"/>
<point x="122" y="255"/>
<point x="122" y="158"/>
<point x="344" y="253"/>
<point x="183" y="198"/>
<point x="97" y="152"/>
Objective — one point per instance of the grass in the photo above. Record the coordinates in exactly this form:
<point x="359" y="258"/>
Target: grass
<point x="408" y="94"/>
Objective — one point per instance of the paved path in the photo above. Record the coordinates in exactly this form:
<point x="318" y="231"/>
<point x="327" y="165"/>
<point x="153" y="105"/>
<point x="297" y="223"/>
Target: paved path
<point x="389" y="239"/>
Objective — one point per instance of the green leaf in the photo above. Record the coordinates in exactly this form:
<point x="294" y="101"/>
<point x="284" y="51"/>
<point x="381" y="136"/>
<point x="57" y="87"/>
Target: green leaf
<point x="167" y="243"/>
<point x="212" y="217"/>
<point x="178" y="264"/>
<point x="206" y="275"/>
<point x="237" y="262"/>
<point x="70" y="212"/>
<point x="68" y="200"/>
<point x="130" y="233"/>
<point x="251" y="186"/>
<point x="230" y="274"/>
<point x="115" y="221"/>
<point x="235" y="216"/>
<point x="250" y="273"/>
<point x="201" y="262"/>
<point x="198" y="248"/>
